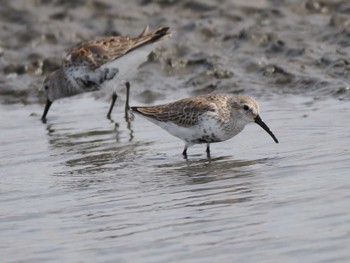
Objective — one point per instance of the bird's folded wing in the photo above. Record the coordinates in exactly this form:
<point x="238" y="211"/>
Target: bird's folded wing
<point x="183" y="112"/>
<point x="91" y="55"/>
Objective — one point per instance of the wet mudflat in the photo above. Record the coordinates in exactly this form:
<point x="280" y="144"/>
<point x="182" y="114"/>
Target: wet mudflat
<point x="84" y="188"/>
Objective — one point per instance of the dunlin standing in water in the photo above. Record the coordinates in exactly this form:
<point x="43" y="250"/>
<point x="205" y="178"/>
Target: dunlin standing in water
<point x="205" y="118"/>
<point x="91" y="64"/>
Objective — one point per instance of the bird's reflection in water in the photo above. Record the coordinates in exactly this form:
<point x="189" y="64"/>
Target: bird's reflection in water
<point x="92" y="149"/>
<point x="128" y="120"/>
<point x="215" y="181"/>
<point x="211" y="166"/>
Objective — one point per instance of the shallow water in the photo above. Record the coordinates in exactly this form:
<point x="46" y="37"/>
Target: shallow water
<point x="84" y="188"/>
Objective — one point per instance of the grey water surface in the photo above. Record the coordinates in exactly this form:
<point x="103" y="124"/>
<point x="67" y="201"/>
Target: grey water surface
<point x="82" y="188"/>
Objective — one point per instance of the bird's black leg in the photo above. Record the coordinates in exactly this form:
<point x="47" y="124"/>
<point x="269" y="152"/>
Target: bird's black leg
<point x="114" y="98"/>
<point x="46" y="110"/>
<point x="127" y="107"/>
<point x="184" y="153"/>
<point x="208" y="150"/>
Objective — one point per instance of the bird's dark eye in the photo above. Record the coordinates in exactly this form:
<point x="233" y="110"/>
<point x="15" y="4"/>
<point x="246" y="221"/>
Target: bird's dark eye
<point x="46" y="87"/>
<point x="246" y="107"/>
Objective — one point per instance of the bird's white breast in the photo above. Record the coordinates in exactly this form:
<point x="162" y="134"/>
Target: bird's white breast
<point x="207" y="127"/>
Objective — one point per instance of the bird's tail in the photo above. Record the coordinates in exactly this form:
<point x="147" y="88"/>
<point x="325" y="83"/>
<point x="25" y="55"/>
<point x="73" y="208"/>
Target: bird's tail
<point x="146" y="38"/>
<point x="160" y="34"/>
<point x="148" y="111"/>
<point x="135" y="109"/>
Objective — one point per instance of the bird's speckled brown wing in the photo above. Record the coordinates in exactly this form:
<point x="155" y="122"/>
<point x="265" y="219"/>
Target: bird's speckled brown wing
<point x="185" y="112"/>
<point x="93" y="54"/>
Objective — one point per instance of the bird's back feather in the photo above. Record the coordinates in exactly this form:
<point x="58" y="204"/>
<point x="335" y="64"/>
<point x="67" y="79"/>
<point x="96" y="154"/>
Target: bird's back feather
<point x="184" y="112"/>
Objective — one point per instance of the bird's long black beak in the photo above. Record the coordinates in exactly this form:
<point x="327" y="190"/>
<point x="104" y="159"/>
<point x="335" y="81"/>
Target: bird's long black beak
<point x="262" y="124"/>
<point x="46" y="110"/>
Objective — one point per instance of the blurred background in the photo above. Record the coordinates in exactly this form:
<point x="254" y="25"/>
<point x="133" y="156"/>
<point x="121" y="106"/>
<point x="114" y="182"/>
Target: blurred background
<point x="257" y="47"/>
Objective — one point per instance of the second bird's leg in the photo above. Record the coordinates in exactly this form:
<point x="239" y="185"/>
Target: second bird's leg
<point x="46" y="110"/>
<point x="127" y="107"/>
<point x="128" y="118"/>
<point x="114" y="98"/>
<point x="184" y="153"/>
<point x="208" y="150"/>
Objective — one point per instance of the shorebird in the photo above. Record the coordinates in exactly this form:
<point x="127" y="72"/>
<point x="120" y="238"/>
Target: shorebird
<point x="205" y="118"/>
<point x="91" y="64"/>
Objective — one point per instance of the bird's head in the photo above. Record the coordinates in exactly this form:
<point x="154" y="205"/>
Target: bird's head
<point x="51" y="86"/>
<point x="246" y="110"/>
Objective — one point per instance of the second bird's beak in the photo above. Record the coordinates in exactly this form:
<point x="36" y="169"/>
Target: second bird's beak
<point x="46" y="110"/>
<point x="262" y="124"/>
